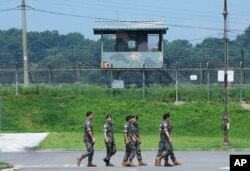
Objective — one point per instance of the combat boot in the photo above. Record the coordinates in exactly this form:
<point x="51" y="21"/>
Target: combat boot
<point x="106" y="160"/>
<point x="158" y="161"/>
<point x="167" y="164"/>
<point x="131" y="163"/>
<point x="109" y="164"/>
<point x="176" y="162"/>
<point x="124" y="162"/>
<point x="78" y="160"/>
<point x="142" y="163"/>
<point x="91" y="165"/>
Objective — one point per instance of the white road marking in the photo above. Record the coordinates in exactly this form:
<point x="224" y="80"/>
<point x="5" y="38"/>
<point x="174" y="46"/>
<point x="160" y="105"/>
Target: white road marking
<point x="224" y="168"/>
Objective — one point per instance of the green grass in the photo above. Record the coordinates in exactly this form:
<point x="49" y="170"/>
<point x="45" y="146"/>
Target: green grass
<point x="3" y="164"/>
<point x="73" y="141"/>
<point x="63" y="111"/>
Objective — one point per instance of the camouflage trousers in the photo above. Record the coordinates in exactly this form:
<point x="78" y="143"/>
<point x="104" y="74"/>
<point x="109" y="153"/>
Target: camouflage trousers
<point x="90" y="149"/>
<point x="166" y="150"/>
<point x="130" y="151"/>
<point x="111" y="149"/>
<point x="138" y="150"/>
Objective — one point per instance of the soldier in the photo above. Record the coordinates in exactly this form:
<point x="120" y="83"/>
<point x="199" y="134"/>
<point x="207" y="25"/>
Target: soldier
<point x="138" y="142"/>
<point x="109" y="140"/>
<point x="89" y="141"/>
<point x="165" y="143"/>
<point x="162" y="148"/>
<point x="130" y="150"/>
<point x="171" y="151"/>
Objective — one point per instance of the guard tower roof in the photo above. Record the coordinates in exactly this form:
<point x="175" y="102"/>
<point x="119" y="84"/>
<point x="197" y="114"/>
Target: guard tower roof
<point x="114" y="26"/>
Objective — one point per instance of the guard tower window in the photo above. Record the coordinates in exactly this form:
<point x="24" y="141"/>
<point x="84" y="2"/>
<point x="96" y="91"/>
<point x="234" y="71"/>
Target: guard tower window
<point x="109" y="41"/>
<point x="154" y="43"/>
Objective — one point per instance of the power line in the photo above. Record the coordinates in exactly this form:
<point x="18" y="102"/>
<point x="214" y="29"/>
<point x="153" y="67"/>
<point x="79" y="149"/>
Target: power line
<point x="201" y="38"/>
<point x="138" y="10"/>
<point x="122" y="4"/>
<point x="70" y="15"/>
<point x="203" y="28"/>
<point x="10" y="9"/>
<point x="132" y="7"/>
<point x="101" y="18"/>
<point x="157" y="8"/>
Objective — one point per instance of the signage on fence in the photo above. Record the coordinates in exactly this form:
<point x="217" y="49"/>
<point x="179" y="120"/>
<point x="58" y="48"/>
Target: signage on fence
<point x="193" y="77"/>
<point x="230" y="76"/>
<point x="117" y="84"/>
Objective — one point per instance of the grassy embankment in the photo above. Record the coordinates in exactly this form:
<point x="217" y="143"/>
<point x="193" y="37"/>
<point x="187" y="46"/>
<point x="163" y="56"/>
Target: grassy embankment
<point x="197" y="123"/>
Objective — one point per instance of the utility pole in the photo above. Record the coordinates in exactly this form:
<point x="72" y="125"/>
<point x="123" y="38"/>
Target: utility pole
<point x="225" y="115"/>
<point x="25" y="49"/>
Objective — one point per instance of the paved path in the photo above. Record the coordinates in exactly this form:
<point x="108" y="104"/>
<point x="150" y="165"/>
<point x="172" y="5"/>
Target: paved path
<point x="66" y="161"/>
<point x="20" y="141"/>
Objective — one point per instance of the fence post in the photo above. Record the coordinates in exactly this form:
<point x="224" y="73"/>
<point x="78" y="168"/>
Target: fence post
<point x="208" y="82"/>
<point x="201" y="76"/>
<point x="79" y="78"/>
<point x="49" y="67"/>
<point x="16" y="78"/>
<point x="111" y="80"/>
<point x="176" y="83"/>
<point x="143" y="82"/>
<point x="241" y="80"/>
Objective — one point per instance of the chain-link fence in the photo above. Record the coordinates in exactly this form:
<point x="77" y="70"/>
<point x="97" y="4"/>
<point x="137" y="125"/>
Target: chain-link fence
<point x="139" y="79"/>
<point x="80" y="66"/>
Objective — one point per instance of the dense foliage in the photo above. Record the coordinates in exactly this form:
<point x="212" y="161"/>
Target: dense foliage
<point x="62" y="50"/>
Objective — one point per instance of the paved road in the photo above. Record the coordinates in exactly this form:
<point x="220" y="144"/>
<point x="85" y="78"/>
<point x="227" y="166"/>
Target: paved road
<point x="66" y="161"/>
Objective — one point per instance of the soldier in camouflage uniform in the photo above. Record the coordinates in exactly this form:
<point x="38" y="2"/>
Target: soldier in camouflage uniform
<point x="163" y="136"/>
<point x="165" y="143"/>
<point x="138" y="142"/>
<point x="130" y="149"/>
<point x="170" y="147"/>
<point x="89" y="141"/>
<point x="109" y="140"/>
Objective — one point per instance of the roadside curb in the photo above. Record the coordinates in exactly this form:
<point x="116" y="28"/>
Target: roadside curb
<point x="151" y="149"/>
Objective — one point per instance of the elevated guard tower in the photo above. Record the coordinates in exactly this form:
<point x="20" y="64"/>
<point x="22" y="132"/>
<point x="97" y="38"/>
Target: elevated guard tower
<point x="131" y="44"/>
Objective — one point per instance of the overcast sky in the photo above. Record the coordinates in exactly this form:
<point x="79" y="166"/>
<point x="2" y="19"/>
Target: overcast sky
<point x="192" y="20"/>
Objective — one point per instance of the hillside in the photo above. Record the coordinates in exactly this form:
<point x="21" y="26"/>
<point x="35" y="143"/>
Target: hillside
<point x="64" y="111"/>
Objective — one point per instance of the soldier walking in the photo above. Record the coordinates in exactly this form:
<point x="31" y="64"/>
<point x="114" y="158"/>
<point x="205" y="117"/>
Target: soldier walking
<point x="130" y="149"/>
<point x="138" y="142"/>
<point x="109" y="140"/>
<point x="171" y="151"/>
<point x="165" y="143"/>
<point x="89" y="141"/>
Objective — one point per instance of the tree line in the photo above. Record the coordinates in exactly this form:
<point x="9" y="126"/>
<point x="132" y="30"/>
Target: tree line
<point x="71" y="49"/>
